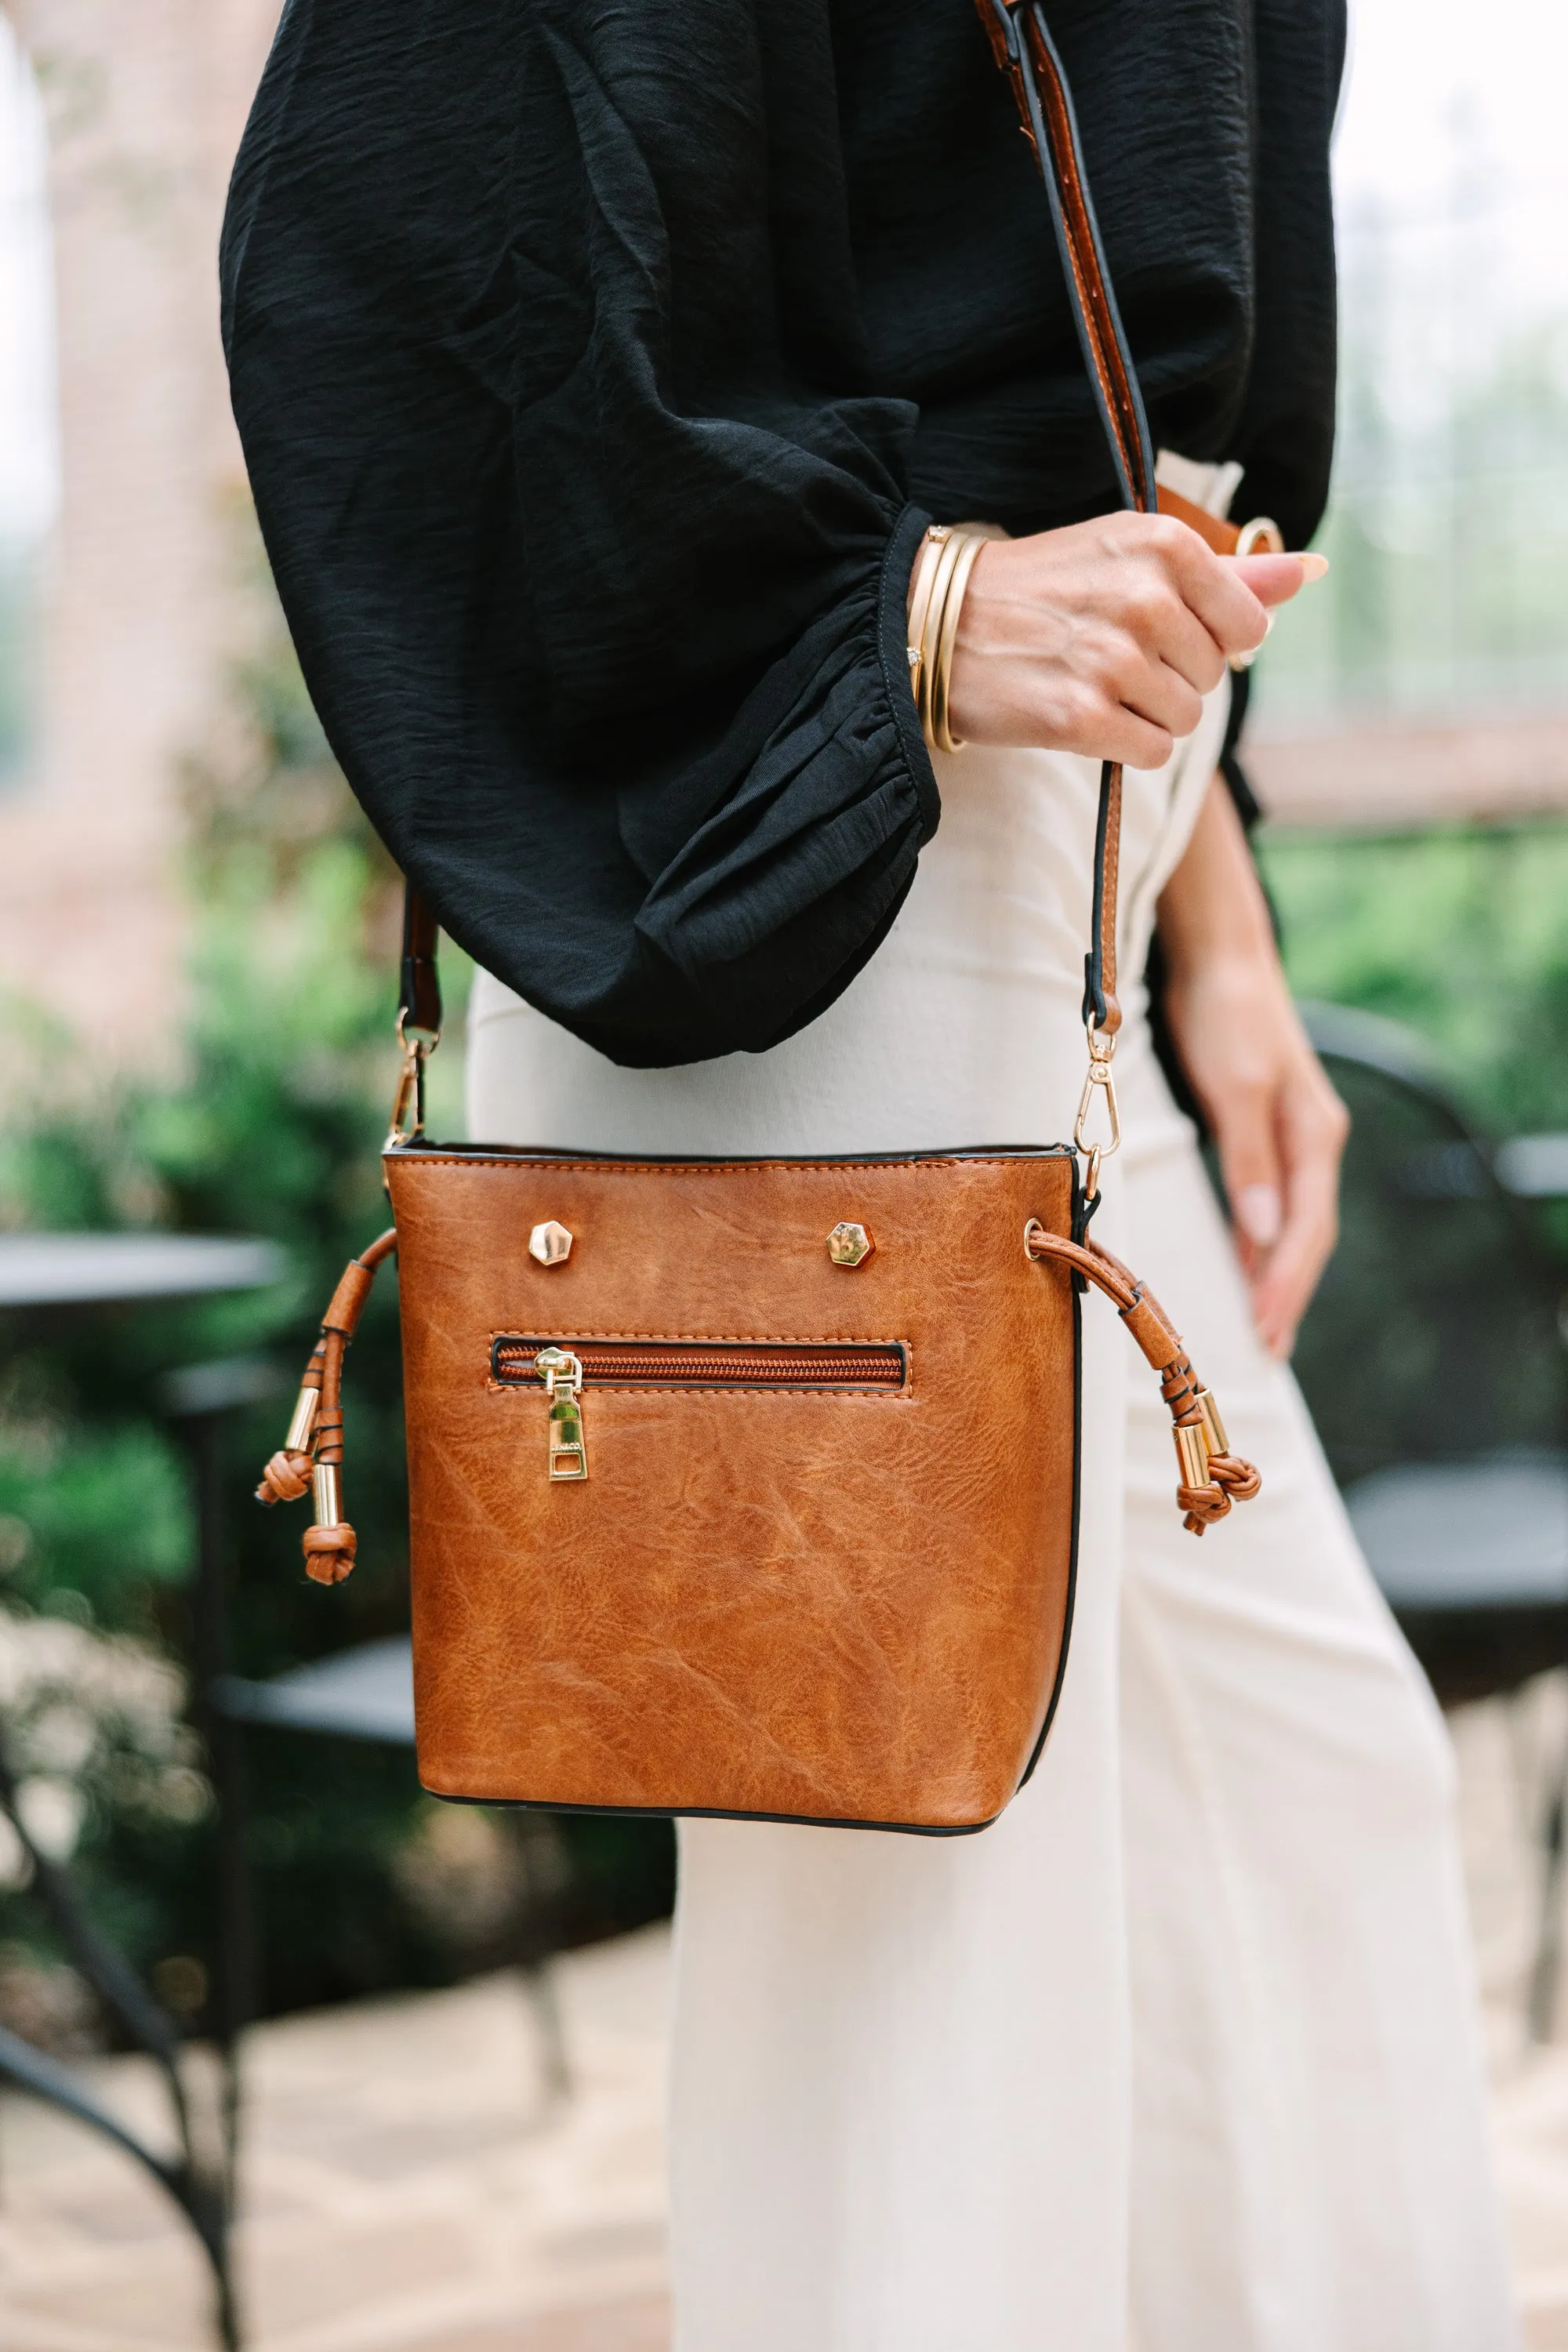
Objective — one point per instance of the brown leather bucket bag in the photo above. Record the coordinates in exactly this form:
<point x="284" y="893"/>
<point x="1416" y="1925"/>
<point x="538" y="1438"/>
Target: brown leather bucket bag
<point x="750" y="1486"/>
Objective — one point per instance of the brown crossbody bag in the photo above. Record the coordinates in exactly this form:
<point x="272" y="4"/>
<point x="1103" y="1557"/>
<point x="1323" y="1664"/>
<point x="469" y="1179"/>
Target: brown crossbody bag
<point x="750" y="1486"/>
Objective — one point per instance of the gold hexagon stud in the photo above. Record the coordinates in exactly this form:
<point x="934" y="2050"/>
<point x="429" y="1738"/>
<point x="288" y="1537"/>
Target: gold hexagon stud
<point x="550" y="1244"/>
<point x="849" y="1244"/>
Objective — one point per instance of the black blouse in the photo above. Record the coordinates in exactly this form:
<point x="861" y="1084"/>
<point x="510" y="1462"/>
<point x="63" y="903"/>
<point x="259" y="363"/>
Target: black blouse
<point x="598" y="368"/>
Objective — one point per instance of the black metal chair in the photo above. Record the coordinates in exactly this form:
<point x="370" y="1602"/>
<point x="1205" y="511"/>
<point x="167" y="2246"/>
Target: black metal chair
<point x="44" y="1279"/>
<point x="1433" y="1359"/>
<point x="366" y="1692"/>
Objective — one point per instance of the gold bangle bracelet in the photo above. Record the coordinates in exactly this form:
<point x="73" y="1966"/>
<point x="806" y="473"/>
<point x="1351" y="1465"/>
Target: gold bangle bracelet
<point x="937" y="590"/>
<point x="919" y="599"/>
<point x="930" y="635"/>
<point x="942" y="733"/>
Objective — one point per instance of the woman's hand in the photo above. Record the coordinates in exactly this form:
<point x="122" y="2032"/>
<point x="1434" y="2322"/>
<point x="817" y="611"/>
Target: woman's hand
<point x="1278" y="1124"/>
<point x="1104" y="638"/>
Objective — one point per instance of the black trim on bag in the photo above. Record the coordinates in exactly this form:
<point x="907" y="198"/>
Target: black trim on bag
<point x="421" y="1147"/>
<point x="1054" y="1699"/>
<point x="724" y="1813"/>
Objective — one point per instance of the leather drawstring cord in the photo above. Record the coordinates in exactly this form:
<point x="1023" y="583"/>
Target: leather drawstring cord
<point x="1210" y="1477"/>
<point x="313" y="1452"/>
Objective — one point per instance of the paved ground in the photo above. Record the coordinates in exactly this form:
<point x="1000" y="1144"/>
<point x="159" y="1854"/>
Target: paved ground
<point x="412" y="2185"/>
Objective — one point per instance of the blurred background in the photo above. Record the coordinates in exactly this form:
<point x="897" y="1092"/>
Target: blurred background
<point x="197" y="939"/>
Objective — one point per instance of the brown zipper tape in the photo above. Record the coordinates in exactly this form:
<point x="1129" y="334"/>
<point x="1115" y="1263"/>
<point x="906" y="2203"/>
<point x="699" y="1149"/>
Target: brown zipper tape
<point x="697" y="1363"/>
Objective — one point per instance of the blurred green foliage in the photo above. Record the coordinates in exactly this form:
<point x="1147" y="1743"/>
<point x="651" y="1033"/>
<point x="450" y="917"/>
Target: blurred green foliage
<point x="1461" y="936"/>
<point x="1461" y="933"/>
<point x="272" y="1127"/>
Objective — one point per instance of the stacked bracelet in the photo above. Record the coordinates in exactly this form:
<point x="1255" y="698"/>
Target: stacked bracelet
<point x="936" y="599"/>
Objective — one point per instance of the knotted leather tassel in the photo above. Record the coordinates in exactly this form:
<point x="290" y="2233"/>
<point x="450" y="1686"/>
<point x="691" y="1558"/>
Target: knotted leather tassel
<point x="313" y="1452"/>
<point x="1210" y="1477"/>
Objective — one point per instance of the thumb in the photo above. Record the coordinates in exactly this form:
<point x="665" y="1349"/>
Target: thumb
<point x="1275" y="578"/>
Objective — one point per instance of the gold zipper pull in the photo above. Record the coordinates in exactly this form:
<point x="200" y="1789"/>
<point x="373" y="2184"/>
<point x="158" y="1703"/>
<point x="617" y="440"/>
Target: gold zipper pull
<point x="562" y="1374"/>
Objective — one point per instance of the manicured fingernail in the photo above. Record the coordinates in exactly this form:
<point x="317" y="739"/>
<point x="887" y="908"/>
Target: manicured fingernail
<point x="1312" y="568"/>
<point x="1258" y="1214"/>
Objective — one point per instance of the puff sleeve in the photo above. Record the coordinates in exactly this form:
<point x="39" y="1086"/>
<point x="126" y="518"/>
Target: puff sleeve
<point x="544" y="345"/>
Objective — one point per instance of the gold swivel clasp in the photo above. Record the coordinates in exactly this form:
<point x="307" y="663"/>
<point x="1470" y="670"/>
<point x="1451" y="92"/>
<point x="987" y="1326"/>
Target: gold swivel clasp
<point x="1097" y="1078"/>
<point x="408" y="1105"/>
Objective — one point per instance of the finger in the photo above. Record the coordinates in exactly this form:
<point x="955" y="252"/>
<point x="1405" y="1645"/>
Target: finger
<point x="1275" y="578"/>
<point x="1283" y="1289"/>
<point x="1244" y="1130"/>
<point x="1313" y="1129"/>
<point x="1095" y="725"/>
<point x="1286" y="1283"/>
<point x="1152" y="612"/>
<point x="1126" y="736"/>
<point x="1162" y="695"/>
<point x="1180" y="638"/>
<point x="1216" y="590"/>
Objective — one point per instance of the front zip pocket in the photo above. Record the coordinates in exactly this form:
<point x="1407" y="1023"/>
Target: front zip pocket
<point x="564" y="1368"/>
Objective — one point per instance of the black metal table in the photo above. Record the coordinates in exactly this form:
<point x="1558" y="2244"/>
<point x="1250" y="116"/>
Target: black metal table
<point x="44" y="1278"/>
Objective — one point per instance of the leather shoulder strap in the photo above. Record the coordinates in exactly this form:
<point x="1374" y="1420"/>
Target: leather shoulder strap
<point x="419" y="1007"/>
<point x="1022" y="45"/>
<point x="1021" y="42"/>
